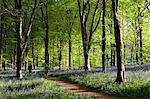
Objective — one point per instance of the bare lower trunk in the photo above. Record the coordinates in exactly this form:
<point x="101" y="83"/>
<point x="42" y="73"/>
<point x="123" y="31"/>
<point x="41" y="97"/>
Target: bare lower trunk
<point x="103" y="39"/>
<point x="18" y="28"/>
<point x="124" y="54"/>
<point x="37" y="60"/>
<point x="4" y="63"/>
<point x="60" y="55"/>
<point x="120" y="66"/>
<point x="141" y="47"/>
<point x="113" y="55"/>
<point x="26" y="60"/>
<point x="132" y="54"/>
<point x="137" y="49"/>
<point x="87" y="61"/>
<point x="33" y="58"/>
<point x="70" y="50"/>
<point x="1" y="32"/>
<point x="46" y="41"/>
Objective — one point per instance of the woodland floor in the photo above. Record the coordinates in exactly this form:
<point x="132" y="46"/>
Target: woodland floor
<point x="77" y="89"/>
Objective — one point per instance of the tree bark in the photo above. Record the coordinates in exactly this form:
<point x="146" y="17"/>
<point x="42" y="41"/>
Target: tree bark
<point x="84" y="10"/>
<point x="33" y="56"/>
<point x="103" y="39"/>
<point x="18" y="29"/>
<point x="113" y="58"/>
<point x="70" y="48"/>
<point x="26" y="60"/>
<point x="120" y="66"/>
<point x="45" y="17"/>
<point x="87" y="60"/>
<point x="37" y="60"/>
<point x="1" y="33"/>
<point x="4" y="62"/>
<point x="141" y="46"/>
<point x="60" y="55"/>
<point x="124" y="53"/>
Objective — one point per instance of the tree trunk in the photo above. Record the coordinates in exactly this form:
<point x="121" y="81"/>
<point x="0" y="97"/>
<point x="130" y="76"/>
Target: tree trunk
<point x="141" y="45"/>
<point x="137" y="48"/>
<point x="1" y="32"/>
<point x="132" y="53"/>
<point x="18" y="29"/>
<point x="60" y="55"/>
<point x="37" y="60"/>
<point x="87" y="66"/>
<point x="103" y="39"/>
<point x="70" y="49"/>
<point x="46" y="41"/>
<point x="124" y="53"/>
<point x="26" y="60"/>
<point x="120" y="66"/>
<point x="84" y="10"/>
<point x="4" y="62"/>
<point x="113" y="55"/>
<point x="33" y="57"/>
<point x="53" y="52"/>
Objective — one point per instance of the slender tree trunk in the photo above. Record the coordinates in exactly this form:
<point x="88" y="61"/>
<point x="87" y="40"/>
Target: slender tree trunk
<point x="141" y="47"/>
<point x="120" y="66"/>
<point x="140" y="36"/>
<point x="70" y="49"/>
<point x="87" y="66"/>
<point x="46" y="41"/>
<point x="103" y="39"/>
<point x="4" y="62"/>
<point x="1" y="33"/>
<point x="137" y="47"/>
<point x="60" y="55"/>
<point x="26" y="60"/>
<point x="18" y="29"/>
<point x="33" y="57"/>
<point x="84" y="10"/>
<point x="53" y="52"/>
<point x="37" y="60"/>
<point x="113" y="55"/>
<point x="124" y="53"/>
<point x="11" y="53"/>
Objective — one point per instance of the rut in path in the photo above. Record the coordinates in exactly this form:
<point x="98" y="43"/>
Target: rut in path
<point x="75" y="88"/>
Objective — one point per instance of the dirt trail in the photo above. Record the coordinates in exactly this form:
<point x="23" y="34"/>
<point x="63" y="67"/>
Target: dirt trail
<point x="75" y="88"/>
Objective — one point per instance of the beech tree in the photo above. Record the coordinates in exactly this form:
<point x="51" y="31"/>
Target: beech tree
<point x="22" y="40"/>
<point x="120" y="65"/>
<point x="87" y="32"/>
<point x="103" y="38"/>
<point x="1" y="32"/>
<point x="45" y="20"/>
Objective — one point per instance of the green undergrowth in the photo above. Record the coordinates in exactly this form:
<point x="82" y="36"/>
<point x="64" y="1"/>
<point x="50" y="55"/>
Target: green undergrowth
<point x="34" y="88"/>
<point x="137" y="84"/>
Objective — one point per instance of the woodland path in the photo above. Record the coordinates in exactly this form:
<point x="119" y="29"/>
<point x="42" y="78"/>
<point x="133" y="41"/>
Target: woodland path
<point x="77" y="89"/>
